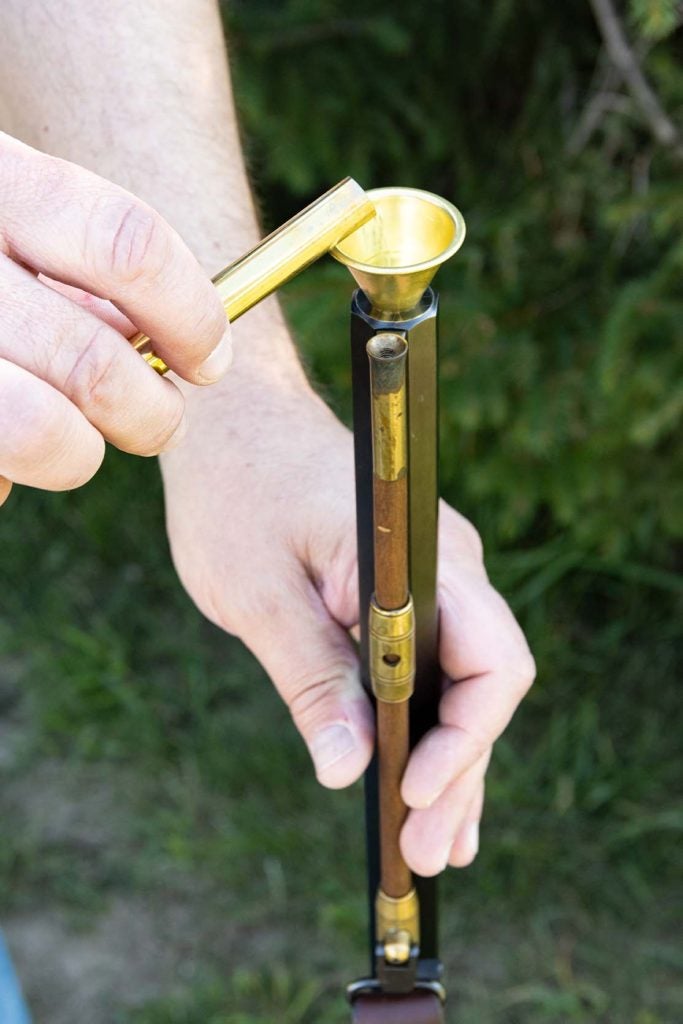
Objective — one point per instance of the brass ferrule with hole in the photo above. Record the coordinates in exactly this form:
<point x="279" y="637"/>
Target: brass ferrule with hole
<point x="397" y="920"/>
<point x="392" y="652"/>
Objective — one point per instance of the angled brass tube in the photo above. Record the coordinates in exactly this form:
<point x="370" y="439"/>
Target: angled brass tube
<point x="279" y="257"/>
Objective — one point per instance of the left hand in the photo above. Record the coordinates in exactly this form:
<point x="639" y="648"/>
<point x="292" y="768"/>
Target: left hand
<point x="261" y="521"/>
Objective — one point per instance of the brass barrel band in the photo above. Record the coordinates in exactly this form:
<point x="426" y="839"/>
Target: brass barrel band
<point x="391" y="637"/>
<point x="397" y="921"/>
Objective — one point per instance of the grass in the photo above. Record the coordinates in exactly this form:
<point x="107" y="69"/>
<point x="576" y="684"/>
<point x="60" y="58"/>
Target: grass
<point x="569" y="912"/>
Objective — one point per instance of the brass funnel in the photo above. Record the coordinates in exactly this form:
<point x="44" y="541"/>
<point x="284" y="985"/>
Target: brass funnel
<point x="394" y="256"/>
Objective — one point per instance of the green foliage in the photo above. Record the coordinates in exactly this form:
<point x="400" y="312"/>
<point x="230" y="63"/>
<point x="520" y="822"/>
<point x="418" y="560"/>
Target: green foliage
<point x="563" y="315"/>
<point x="561" y="406"/>
<point x="250" y="997"/>
<point x="656" y="19"/>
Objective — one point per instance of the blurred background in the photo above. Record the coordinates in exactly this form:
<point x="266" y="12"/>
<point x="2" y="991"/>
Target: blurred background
<point x="166" y="856"/>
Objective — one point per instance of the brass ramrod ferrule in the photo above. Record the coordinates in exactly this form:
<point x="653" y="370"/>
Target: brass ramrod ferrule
<point x="391" y="637"/>
<point x="388" y="352"/>
<point x="398" y="925"/>
<point x="279" y="257"/>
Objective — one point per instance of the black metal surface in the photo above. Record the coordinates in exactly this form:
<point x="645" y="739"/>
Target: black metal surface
<point x="396" y="979"/>
<point x="420" y="331"/>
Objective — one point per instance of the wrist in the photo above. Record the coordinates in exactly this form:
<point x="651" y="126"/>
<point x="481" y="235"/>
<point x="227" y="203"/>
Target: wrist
<point x="264" y="388"/>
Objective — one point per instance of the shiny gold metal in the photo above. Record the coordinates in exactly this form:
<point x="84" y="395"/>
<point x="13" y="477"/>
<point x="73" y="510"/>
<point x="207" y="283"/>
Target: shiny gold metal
<point x="397" y="923"/>
<point x="388" y="353"/>
<point x="395" y="256"/>
<point x="391" y="637"/>
<point x="281" y="255"/>
<point x="397" y="946"/>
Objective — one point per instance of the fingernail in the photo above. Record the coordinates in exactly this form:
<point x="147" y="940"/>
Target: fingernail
<point x="330" y="746"/>
<point x="444" y="860"/>
<point x="472" y="838"/>
<point x="177" y="436"/>
<point x="218" y="363"/>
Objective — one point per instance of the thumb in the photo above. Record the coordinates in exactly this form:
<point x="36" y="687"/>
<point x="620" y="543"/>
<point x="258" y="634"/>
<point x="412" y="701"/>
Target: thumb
<point x="312" y="662"/>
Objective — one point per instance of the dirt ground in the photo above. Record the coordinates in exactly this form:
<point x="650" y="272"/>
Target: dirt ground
<point x="98" y="923"/>
<point x="87" y="967"/>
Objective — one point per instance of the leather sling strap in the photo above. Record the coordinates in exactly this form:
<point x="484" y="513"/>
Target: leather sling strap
<point x="416" y="1008"/>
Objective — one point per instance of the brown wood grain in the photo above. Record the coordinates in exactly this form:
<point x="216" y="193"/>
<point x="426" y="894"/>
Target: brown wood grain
<point x="391" y="541"/>
<point x="393" y="750"/>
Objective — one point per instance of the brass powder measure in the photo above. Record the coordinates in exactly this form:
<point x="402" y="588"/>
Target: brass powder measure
<point x="280" y="256"/>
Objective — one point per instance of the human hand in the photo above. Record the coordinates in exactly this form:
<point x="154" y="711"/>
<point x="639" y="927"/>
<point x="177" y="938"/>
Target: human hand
<point x="69" y="380"/>
<point x="261" y="521"/>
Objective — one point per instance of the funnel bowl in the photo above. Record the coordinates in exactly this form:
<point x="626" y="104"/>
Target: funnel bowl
<point x="394" y="256"/>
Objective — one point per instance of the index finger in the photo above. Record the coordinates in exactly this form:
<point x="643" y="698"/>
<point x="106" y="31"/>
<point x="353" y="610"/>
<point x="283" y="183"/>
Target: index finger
<point x="66" y="222"/>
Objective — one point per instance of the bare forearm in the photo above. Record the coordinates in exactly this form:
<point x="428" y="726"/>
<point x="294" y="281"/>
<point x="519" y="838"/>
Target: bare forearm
<point x="140" y="93"/>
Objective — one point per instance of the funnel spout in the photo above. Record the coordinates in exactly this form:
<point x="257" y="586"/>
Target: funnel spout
<point x="394" y="257"/>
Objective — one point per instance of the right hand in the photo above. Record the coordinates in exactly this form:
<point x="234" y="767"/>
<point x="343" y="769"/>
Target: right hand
<point x="84" y="265"/>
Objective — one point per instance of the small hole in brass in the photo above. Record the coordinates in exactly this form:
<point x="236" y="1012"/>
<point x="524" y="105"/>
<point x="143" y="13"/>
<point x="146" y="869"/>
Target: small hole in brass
<point x="391" y="659"/>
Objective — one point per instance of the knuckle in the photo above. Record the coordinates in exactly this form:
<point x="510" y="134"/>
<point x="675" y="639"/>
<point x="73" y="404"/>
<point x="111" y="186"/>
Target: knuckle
<point x="50" y="180"/>
<point x="89" y="382"/>
<point x="461" y="858"/>
<point x="306" y="697"/>
<point x="199" y="580"/>
<point x="30" y="178"/>
<point x="480" y="745"/>
<point x="125" y="240"/>
<point x="77" y="453"/>
<point x="421" y="860"/>
<point x="84" y="471"/>
<point x="210" y="321"/>
<point x="44" y="440"/>
<point x="309" y="699"/>
<point x="33" y="419"/>
<point x="96" y="383"/>
<point x="159" y="433"/>
<point x="473" y="539"/>
<point x="459" y="535"/>
<point x="523" y="672"/>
